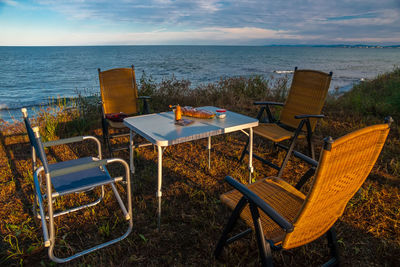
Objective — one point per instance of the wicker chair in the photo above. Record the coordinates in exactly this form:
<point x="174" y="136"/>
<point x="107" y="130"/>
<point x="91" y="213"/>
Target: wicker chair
<point x="290" y="219"/>
<point x="119" y="96"/>
<point x="77" y="176"/>
<point x="298" y="117"/>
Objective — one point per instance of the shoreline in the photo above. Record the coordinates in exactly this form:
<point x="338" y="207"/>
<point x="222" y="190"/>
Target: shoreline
<point x="14" y="114"/>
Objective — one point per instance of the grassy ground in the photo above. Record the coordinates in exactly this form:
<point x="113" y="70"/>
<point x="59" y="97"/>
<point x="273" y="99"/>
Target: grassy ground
<point x="193" y="216"/>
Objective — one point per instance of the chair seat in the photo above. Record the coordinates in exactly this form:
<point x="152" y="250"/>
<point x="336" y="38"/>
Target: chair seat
<point x="274" y="132"/>
<point x="281" y="196"/>
<point x="79" y="181"/>
<point x="115" y="124"/>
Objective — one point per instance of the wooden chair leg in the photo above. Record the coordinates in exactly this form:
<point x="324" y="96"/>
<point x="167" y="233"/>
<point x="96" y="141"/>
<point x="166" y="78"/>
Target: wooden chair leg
<point x="229" y="226"/>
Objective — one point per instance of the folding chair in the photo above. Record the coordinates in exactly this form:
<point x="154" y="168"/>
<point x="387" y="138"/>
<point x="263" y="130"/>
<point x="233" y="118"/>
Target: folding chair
<point x="285" y="218"/>
<point x="68" y="177"/>
<point x="119" y="98"/>
<point x="298" y="116"/>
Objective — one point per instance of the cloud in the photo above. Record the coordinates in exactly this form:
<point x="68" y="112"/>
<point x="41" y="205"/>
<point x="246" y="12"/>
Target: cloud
<point x="246" y="21"/>
<point x="214" y="35"/>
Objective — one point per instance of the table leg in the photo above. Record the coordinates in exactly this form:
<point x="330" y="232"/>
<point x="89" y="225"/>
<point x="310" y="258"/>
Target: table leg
<point x="159" y="183"/>
<point x="209" y="152"/>
<point x="131" y="151"/>
<point x="250" y="153"/>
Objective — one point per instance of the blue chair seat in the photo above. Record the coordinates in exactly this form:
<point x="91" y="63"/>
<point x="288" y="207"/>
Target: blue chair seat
<point x="80" y="181"/>
<point x="73" y="176"/>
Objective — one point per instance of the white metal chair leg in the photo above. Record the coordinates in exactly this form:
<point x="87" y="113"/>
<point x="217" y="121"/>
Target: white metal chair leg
<point x="50" y="241"/>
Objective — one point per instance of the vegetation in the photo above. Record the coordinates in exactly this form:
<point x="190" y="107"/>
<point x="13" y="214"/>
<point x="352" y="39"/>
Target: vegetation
<point x="193" y="216"/>
<point x="378" y="97"/>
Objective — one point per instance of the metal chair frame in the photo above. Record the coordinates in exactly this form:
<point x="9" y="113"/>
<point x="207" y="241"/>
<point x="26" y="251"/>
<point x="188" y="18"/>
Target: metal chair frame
<point x="304" y="119"/>
<point x="265" y="247"/>
<point x="106" y="125"/>
<point x="256" y="203"/>
<point x="50" y="171"/>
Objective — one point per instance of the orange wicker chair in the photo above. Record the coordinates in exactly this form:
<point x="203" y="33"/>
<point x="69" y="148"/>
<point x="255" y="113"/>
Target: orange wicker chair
<point x="298" y="117"/>
<point x="290" y="219"/>
<point x="119" y="98"/>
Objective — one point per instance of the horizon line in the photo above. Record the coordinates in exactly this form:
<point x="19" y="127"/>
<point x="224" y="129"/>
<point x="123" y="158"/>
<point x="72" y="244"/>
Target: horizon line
<point x="266" y="45"/>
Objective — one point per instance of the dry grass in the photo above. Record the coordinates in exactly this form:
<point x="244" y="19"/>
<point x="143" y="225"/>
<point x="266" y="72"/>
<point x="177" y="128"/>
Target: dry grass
<point x="193" y="216"/>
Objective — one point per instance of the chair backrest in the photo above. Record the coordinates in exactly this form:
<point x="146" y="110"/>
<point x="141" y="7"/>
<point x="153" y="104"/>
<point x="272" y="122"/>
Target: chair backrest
<point x="306" y="96"/>
<point x="343" y="167"/>
<point x="35" y="141"/>
<point x="118" y="90"/>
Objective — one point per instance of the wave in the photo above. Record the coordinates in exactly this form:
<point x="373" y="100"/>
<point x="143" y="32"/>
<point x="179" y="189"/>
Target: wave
<point x="43" y="103"/>
<point x="283" y="71"/>
<point x="16" y="107"/>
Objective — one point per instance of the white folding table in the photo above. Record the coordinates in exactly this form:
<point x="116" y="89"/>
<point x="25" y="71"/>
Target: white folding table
<point x="160" y="129"/>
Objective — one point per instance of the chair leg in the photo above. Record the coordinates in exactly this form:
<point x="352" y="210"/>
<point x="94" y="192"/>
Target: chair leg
<point x="104" y="128"/>
<point x="106" y="137"/>
<point x="286" y="159"/>
<point x="229" y="226"/>
<point x="305" y="178"/>
<point x="310" y="147"/>
<point x="333" y="246"/>
<point x="291" y="147"/>
<point x="244" y="151"/>
<point x="109" y="148"/>
<point x="264" y="248"/>
<point x="127" y="213"/>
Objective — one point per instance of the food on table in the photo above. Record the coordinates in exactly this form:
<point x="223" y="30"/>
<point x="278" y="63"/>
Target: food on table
<point x="197" y="113"/>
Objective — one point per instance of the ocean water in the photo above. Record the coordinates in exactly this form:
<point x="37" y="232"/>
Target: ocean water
<point x="30" y="76"/>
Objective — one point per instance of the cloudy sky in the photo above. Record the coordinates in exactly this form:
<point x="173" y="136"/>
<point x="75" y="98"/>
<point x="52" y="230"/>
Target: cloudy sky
<point x="211" y="22"/>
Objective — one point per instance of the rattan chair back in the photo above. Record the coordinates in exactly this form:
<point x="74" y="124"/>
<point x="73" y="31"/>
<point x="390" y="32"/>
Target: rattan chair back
<point x="119" y="91"/>
<point x="306" y="96"/>
<point x="343" y="167"/>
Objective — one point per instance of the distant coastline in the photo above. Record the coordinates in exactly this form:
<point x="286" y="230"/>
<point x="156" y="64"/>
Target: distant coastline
<point x="217" y="45"/>
<point x="339" y="46"/>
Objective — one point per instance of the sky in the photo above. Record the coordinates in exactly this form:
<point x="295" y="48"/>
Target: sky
<point x="199" y="22"/>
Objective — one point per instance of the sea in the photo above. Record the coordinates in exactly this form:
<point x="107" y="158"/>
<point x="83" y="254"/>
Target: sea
<point x="32" y="76"/>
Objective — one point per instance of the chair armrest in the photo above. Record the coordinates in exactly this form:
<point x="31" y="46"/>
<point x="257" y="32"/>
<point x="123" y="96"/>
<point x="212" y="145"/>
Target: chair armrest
<point x="306" y="116"/>
<point x="74" y="140"/>
<point x="267" y="209"/>
<point x="63" y="141"/>
<point x="268" y="103"/>
<point x="144" y="97"/>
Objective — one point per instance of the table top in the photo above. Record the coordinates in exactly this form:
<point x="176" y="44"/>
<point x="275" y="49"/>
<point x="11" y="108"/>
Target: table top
<point x="160" y="128"/>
